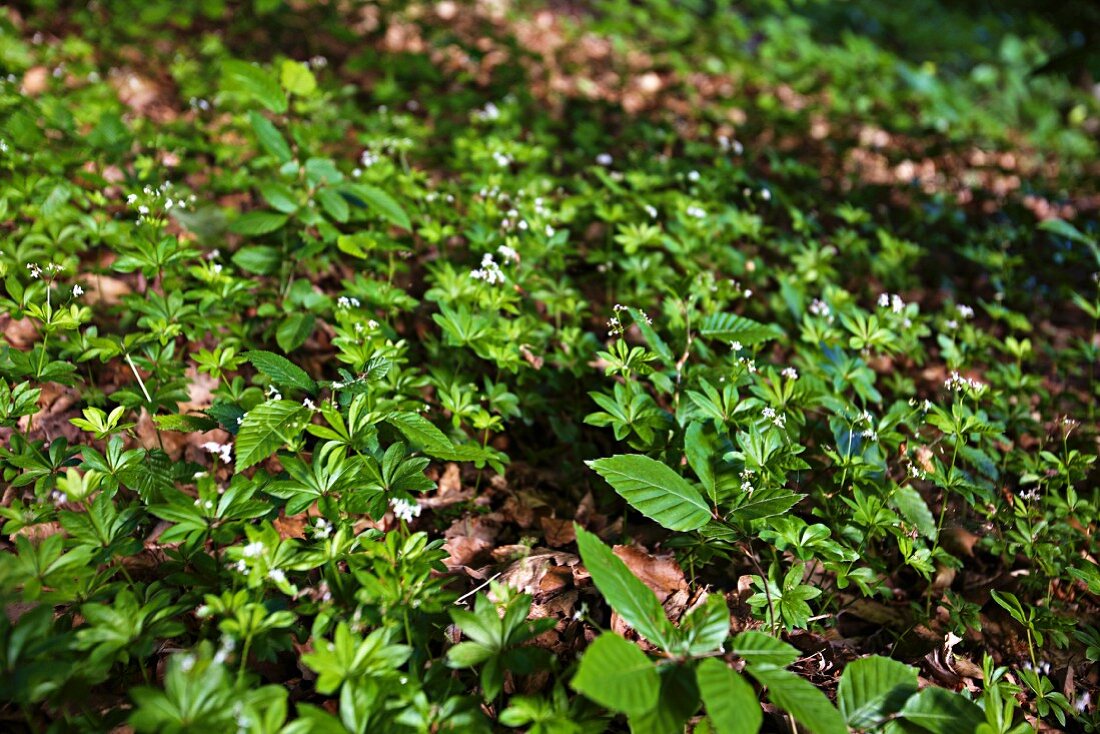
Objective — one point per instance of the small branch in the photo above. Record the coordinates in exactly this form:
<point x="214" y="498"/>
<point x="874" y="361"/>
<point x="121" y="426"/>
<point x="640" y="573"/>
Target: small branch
<point x="140" y="381"/>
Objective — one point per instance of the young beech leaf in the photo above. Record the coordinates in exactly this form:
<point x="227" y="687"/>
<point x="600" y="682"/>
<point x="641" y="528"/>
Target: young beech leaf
<point x="655" y="490"/>
<point x="798" y="697"/>
<point x="942" y="712"/>
<point x="281" y="370"/>
<point x="617" y="675"/>
<point x="731" y="702"/>
<point x="625" y="592"/>
<point x="265" y="428"/>
<point x="873" y="688"/>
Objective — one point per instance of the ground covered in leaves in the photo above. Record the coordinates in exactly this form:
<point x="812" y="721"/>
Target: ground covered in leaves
<point x="546" y="366"/>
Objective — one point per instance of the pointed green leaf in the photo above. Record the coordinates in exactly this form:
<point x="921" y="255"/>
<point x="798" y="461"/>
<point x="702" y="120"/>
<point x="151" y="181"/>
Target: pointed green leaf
<point x="380" y="202"/>
<point x="265" y="428"/>
<point x="281" y="370"/>
<point x="942" y="712"/>
<point x="798" y="697"/>
<point x="241" y="76"/>
<point x="731" y="701"/>
<point x="655" y="490"/>
<point x="617" y="675"/>
<point x="874" y="688"/>
<point x="762" y="649"/>
<point x="625" y="592"/>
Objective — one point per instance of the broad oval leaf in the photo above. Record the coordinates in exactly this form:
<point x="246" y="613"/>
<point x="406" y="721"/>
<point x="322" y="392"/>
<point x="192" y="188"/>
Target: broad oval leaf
<point x="617" y="675"/>
<point x="942" y="712"/>
<point x="731" y="701"/>
<point x="874" y="688"/>
<point x="265" y="428"/>
<point x="380" y="202"/>
<point x="763" y="649"/>
<point x="655" y="490"/>
<point x="798" y="697"/>
<point x="281" y="370"/>
<point x="625" y="592"/>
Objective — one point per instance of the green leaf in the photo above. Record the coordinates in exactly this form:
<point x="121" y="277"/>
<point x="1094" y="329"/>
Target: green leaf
<point x="256" y="223"/>
<point x="731" y="701"/>
<point x="798" y="697"/>
<point x="241" y="76"/>
<point x="421" y="432"/>
<point x="874" y="688"/>
<point x="279" y="196"/>
<point x="297" y="79"/>
<point x="265" y="428"/>
<point x="913" y="508"/>
<point x="617" y="675"/>
<point x="942" y="712"/>
<point x="294" y="330"/>
<point x="731" y="327"/>
<point x="762" y="649"/>
<point x="335" y="205"/>
<point x="627" y="595"/>
<point x="678" y="700"/>
<point x="281" y="370"/>
<point x="258" y="259"/>
<point x="655" y="490"/>
<point x="380" y="201"/>
<point x="184" y="423"/>
<point x="269" y="136"/>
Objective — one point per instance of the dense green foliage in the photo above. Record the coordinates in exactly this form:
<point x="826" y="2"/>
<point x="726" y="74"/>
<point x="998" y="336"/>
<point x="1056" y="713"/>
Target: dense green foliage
<point x="330" y="331"/>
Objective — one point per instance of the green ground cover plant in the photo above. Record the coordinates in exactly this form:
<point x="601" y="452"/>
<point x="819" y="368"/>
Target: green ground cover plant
<point x="550" y="367"/>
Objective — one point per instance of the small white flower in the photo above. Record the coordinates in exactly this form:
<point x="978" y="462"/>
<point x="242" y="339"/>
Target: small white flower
<point x="965" y="311"/>
<point x="77" y="291"/>
<point x="693" y="176"/>
<point x="766" y="194"/>
<point x="307" y="403"/>
<point x="253" y="550"/>
<point x="404" y="510"/>
<point x="697" y="212"/>
<point x="790" y="373"/>
<point x="651" y="211"/>
<point x="884" y="300"/>
<point x="187" y="662"/>
<point x="508" y="253"/>
<point x="277" y="575"/>
<point x="604" y="159"/>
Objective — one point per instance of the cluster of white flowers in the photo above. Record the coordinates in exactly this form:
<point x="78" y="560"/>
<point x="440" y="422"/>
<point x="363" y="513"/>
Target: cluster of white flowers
<point x="651" y="211"/>
<point x="254" y="549"/>
<point x="489" y="271"/>
<point x="748" y="364"/>
<point x="3" y="146"/>
<point x="736" y="346"/>
<point x="51" y="269"/>
<point x="226" y="645"/>
<point x="347" y="302"/>
<point x="696" y="211"/>
<point x="317" y="62"/>
<point x="925" y="405"/>
<point x="405" y="510"/>
<point x="488" y="113"/>
<point x="307" y="403"/>
<point x="728" y="145"/>
<point x="693" y="176"/>
<point x="277" y="575"/>
<point x="745" y="292"/>
<point x="615" y="326"/>
<point x="508" y="253"/>
<point x="273" y="393"/>
<point x="503" y="159"/>
<point x="820" y="308"/>
<point x="790" y="373"/>
<point x="198" y="103"/>
<point x="223" y="450"/>
<point x="208" y="505"/>
<point x="77" y="291"/>
<point x="322" y="528"/>
<point x="891" y="301"/>
<point x="1082" y="702"/>
<point x="746" y="481"/>
<point x="778" y="419"/>
<point x="914" y="471"/>
<point x="956" y="383"/>
<point x="1043" y="667"/>
<point x="604" y="159"/>
<point x="965" y="311"/>
<point x="1030" y="495"/>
